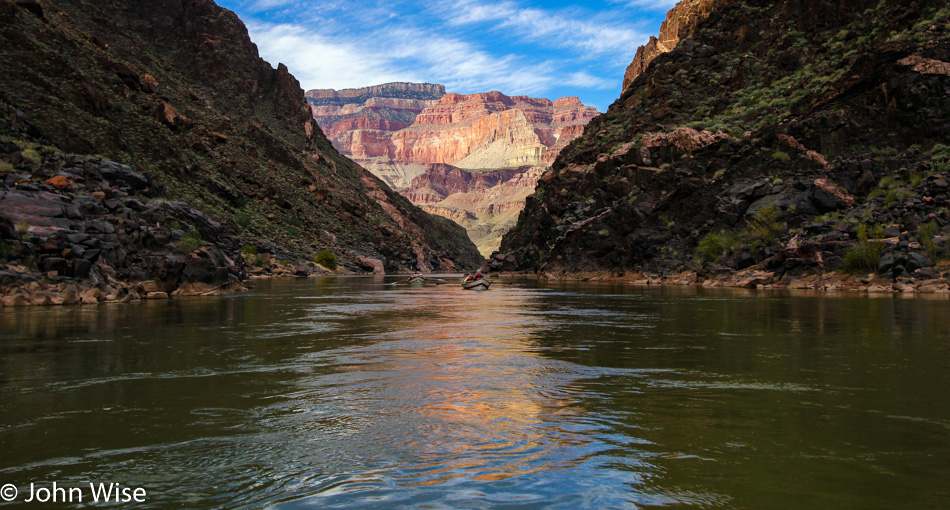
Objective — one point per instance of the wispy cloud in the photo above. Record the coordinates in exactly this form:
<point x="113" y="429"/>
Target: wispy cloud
<point x="320" y="62"/>
<point x="396" y="55"/>
<point x="583" y="79"/>
<point x="467" y="45"/>
<point x="263" y="5"/>
<point x="570" y="29"/>
<point x="652" y="5"/>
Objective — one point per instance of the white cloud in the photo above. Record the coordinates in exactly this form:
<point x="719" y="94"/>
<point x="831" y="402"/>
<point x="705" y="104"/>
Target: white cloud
<point x="467" y="45"/>
<point x="583" y="79"/>
<point x="320" y="62"/>
<point x="566" y="29"/>
<point x="653" y="5"/>
<point x="263" y="5"/>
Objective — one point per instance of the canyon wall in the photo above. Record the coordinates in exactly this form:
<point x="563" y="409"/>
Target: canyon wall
<point x="796" y="137"/>
<point x="176" y="93"/>
<point x="405" y="131"/>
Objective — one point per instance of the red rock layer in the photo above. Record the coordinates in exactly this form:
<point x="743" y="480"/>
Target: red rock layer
<point x="460" y="125"/>
<point x="363" y="123"/>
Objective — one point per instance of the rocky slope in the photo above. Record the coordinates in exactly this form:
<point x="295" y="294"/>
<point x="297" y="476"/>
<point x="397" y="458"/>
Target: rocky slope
<point x="406" y="133"/>
<point x="795" y="137"/>
<point x="176" y="93"/>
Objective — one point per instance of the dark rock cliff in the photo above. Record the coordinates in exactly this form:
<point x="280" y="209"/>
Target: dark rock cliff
<point x="177" y="91"/>
<point x="797" y="135"/>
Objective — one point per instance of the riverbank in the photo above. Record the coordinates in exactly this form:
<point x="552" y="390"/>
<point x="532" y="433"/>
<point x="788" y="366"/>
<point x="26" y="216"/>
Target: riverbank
<point x="935" y="281"/>
<point x="19" y="286"/>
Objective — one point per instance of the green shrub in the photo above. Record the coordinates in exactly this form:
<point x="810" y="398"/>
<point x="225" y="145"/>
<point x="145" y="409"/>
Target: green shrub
<point x="765" y="226"/>
<point x="249" y="250"/>
<point x="326" y="259"/>
<point x="714" y="245"/>
<point x="780" y="156"/>
<point x="865" y="256"/>
<point x="32" y="157"/>
<point x="928" y="231"/>
<point x="6" y="168"/>
<point x="890" y="198"/>
<point x="243" y="220"/>
<point x="192" y="241"/>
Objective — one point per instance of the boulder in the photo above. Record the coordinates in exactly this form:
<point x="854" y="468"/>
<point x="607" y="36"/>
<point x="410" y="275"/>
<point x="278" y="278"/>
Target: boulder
<point x="916" y="261"/>
<point x="18" y="299"/>
<point x="374" y="266"/>
<point x="90" y="296"/>
<point x="744" y="260"/>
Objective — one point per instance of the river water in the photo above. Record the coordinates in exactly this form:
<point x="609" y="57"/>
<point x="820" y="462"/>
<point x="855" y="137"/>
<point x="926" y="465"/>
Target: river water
<point x="348" y="393"/>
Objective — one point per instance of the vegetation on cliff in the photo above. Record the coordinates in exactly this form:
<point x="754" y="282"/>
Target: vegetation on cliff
<point x="788" y="135"/>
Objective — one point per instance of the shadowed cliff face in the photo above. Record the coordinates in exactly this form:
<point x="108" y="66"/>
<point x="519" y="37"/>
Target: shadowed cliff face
<point x="767" y="136"/>
<point x="177" y="91"/>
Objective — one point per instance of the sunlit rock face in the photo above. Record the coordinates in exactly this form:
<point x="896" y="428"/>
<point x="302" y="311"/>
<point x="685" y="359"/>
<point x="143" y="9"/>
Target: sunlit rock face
<point x="681" y="22"/>
<point x="450" y="151"/>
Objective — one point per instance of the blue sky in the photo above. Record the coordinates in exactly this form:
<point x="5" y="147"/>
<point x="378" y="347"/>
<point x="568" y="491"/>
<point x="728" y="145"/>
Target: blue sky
<point x="518" y="47"/>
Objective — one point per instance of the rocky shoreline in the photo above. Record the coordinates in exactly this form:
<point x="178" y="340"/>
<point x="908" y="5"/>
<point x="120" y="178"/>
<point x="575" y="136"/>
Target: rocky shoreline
<point x="928" y="283"/>
<point x="21" y="287"/>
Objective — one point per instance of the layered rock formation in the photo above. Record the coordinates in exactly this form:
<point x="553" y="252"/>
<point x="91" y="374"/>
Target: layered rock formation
<point x="176" y="92"/>
<point x="491" y="130"/>
<point x="396" y="129"/>
<point x="794" y="137"/>
<point x="403" y="131"/>
<point x="485" y="203"/>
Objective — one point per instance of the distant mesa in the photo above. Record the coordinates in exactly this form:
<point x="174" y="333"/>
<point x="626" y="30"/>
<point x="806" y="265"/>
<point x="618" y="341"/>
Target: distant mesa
<point x="406" y="133"/>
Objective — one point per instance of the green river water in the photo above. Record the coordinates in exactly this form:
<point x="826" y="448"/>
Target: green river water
<point x="350" y="393"/>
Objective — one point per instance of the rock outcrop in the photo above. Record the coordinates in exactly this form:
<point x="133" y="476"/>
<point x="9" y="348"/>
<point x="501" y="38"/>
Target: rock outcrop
<point x="360" y="122"/>
<point x="177" y="92"/>
<point x="490" y="130"/>
<point x="681" y="21"/>
<point x="793" y="138"/>
<point x="96" y="222"/>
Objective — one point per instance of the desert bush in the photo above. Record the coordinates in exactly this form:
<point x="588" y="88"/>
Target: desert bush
<point x="765" y="225"/>
<point x="865" y="256"/>
<point x="192" y="241"/>
<point x="714" y="245"/>
<point x="326" y="259"/>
